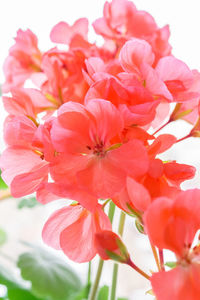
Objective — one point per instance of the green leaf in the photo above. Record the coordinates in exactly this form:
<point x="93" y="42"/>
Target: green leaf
<point x="83" y="294"/>
<point x="50" y="276"/>
<point x="3" y="185"/>
<point x="103" y="293"/>
<point x="16" y="290"/>
<point x="3" y="237"/>
<point x="28" y="202"/>
<point x="122" y="298"/>
<point x="19" y="294"/>
<point x="170" y="264"/>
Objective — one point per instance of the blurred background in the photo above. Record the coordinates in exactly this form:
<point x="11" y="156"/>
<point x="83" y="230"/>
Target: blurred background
<point x="40" y="16"/>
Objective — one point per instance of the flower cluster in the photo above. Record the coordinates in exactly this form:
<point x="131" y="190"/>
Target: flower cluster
<point x="83" y="131"/>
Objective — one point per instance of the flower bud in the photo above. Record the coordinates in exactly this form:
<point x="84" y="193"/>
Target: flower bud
<point x="110" y="246"/>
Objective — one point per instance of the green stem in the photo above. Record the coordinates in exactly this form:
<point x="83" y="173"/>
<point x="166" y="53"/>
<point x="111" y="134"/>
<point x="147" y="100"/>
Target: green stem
<point x="121" y="223"/>
<point x="97" y="279"/>
<point x="116" y="266"/>
<point x="101" y="262"/>
<point x="89" y="273"/>
<point x="111" y="211"/>
<point x="114" y="282"/>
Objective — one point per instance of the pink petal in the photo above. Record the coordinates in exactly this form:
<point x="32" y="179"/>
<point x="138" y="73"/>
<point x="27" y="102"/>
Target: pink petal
<point x="77" y="240"/>
<point x="19" y="130"/>
<point x="19" y="104"/>
<point x="73" y="192"/>
<point x="130" y="157"/>
<point x="154" y="83"/>
<point x="181" y="283"/>
<point x="43" y="195"/>
<point x="138" y="194"/>
<point x="177" y="173"/>
<point x="58" y="221"/>
<point x="81" y="27"/>
<point x="156" y="219"/>
<point x="74" y="116"/>
<point x="37" y="98"/>
<point x="27" y="183"/>
<point x="15" y="161"/>
<point x="102" y="28"/>
<point x="108" y="121"/>
<point x="134" y="54"/>
<point x="171" y="68"/>
<point x="102" y="177"/>
<point x="62" y="33"/>
<point x="162" y="143"/>
<point x="94" y="65"/>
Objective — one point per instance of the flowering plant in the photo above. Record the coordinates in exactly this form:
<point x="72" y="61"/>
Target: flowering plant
<point x="88" y="130"/>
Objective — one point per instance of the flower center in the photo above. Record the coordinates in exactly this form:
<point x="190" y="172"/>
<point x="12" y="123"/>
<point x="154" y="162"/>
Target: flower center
<point x="98" y="150"/>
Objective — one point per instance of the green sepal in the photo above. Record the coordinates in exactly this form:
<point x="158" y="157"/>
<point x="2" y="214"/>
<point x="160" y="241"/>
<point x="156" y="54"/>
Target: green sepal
<point x="171" y="264"/>
<point x="139" y="226"/>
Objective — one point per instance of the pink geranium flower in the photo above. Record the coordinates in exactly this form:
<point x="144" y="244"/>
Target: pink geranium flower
<point x="181" y="82"/>
<point x="172" y="224"/>
<point x="121" y="21"/>
<point x="24" y="163"/>
<point x="24" y="60"/>
<point x="27" y="102"/>
<point x="64" y="78"/>
<point x="90" y="150"/>
<point x="72" y="229"/>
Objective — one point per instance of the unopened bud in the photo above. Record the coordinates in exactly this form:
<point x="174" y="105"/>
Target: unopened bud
<point x="110" y="246"/>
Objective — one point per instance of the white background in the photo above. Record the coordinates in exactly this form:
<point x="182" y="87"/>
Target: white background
<point x="40" y="17"/>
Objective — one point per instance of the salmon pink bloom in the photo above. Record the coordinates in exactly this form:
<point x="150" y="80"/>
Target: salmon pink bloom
<point x="135" y="103"/>
<point x="24" y="60"/>
<point x="23" y="170"/>
<point x="63" y="33"/>
<point x="87" y="139"/>
<point x="72" y="229"/>
<point x="26" y="102"/>
<point x="170" y="78"/>
<point x="161" y="179"/>
<point x="164" y="178"/>
<point x="189" y="110"/>
<point x="172" y="224"/>
<point x="181" y="82"/>
<point x="64" y="77"/>
<point x="24" y="163"/>
<point x="122" y="21"/>
<point x="137" y="58"/>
